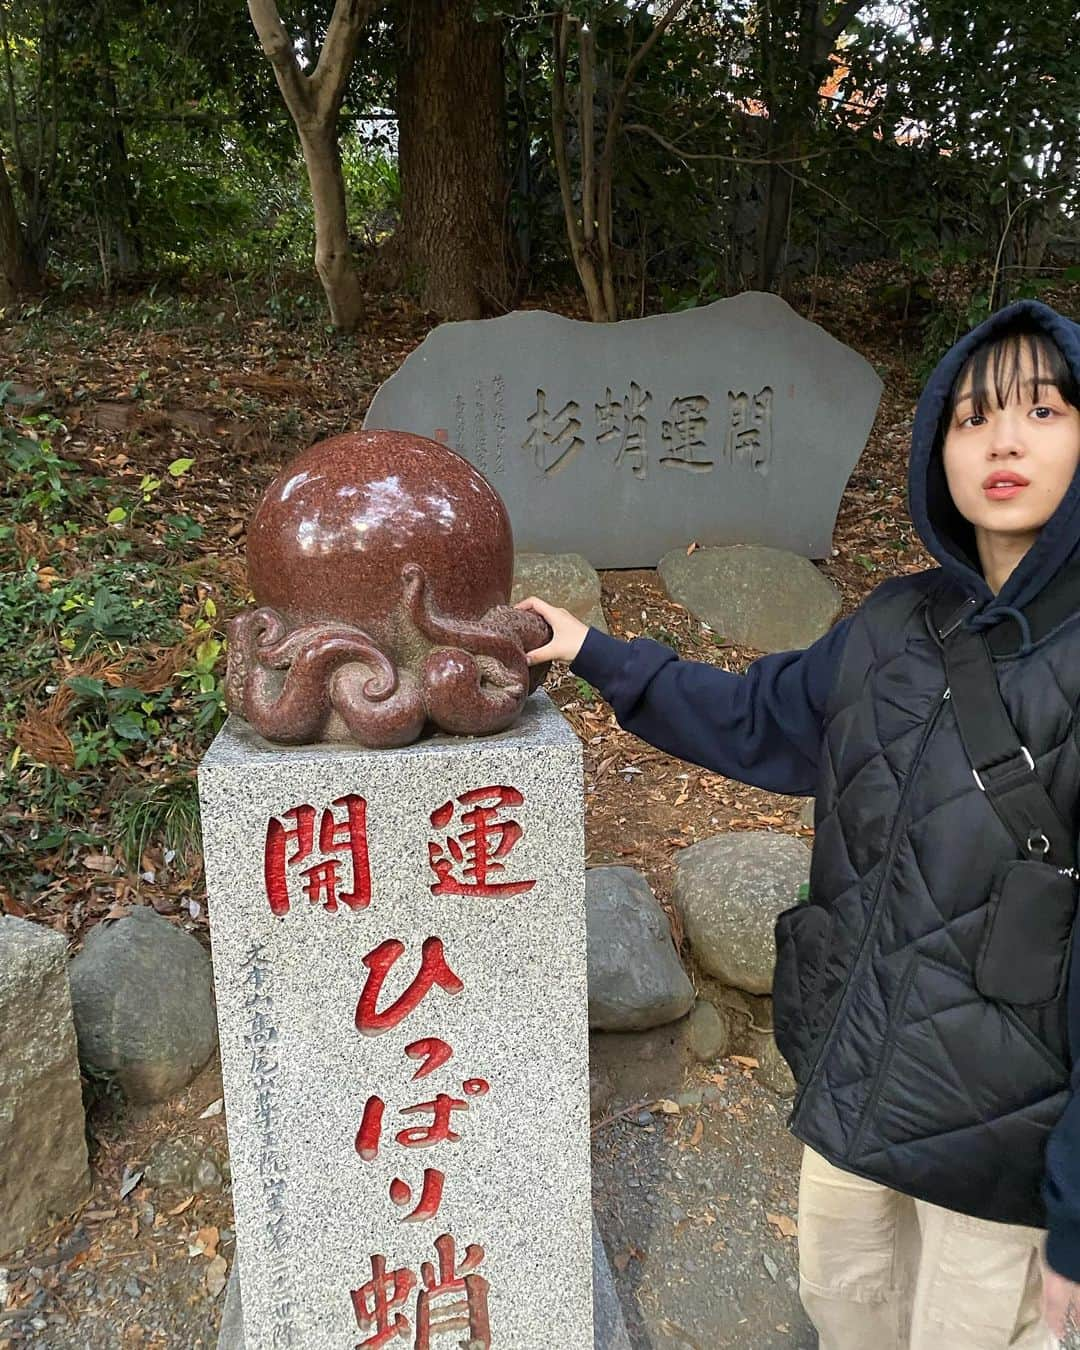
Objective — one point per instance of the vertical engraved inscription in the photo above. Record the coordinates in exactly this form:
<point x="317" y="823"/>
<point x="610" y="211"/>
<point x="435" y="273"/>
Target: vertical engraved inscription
<point x="479" y="445"/>
<point x="261" y="1038"/>
<point x="498" y="389"/>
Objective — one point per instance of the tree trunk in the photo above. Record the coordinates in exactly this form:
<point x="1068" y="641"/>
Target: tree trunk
<point x="772" y="230"/>
<point x="18" y="276"/>
<point x="333" y="256"/>
<point x="451" y="155"/>
<point x="119" y="207"/>
<point x="791" y="80"/>
<point x="314" y="102"/>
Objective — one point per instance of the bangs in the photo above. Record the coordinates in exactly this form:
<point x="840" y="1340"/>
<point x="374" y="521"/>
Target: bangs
<point x="994" y="373"/>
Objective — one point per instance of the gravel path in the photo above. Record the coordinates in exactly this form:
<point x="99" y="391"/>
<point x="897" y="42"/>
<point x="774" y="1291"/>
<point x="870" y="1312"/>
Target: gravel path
<point x="694" y="1208"/>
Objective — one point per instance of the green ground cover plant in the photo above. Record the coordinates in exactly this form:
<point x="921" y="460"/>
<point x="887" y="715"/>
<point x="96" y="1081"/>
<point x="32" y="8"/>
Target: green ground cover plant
<point x="110" y="658"/>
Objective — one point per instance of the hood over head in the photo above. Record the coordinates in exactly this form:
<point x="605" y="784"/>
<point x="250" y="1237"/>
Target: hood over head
<point x="946" y="534"/>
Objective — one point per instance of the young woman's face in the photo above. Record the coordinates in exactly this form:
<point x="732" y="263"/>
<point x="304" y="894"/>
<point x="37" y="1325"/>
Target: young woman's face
<point x="1009" y="469"/>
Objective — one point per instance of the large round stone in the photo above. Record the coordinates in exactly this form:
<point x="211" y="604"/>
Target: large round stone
<point x="563" y="579"/>
<point x="755" y="597"/>
<point x="636" y="980"/>
<point x="142" y="994"/>
<point x="729" y="890"/>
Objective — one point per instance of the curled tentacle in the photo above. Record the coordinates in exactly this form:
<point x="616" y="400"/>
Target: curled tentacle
<point x="295" y="709"/>
<point x="471" y="695"/>
<point x="470" y="635"/>
<point x="245" y="632"/>
<point x="382" y="679"/>
<point x="477" y="696"/>
<point x="528" y="631"/>
<point x="383" y="722"/>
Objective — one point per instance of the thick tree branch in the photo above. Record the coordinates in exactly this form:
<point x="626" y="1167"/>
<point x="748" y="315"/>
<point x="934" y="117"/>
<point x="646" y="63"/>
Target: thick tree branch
<point x="840" y="20"/>
<point x="558" y="134"/>
<point x="583" y="260"/>
<point x="606" y="168"/>
<point x="587" y="59"/>
<point x="278" y="47"/>
<point x="314" y="102"/>
<point x="331" y="73"/>
<point x="13" y="121"/>
<point x="643" y="130"/>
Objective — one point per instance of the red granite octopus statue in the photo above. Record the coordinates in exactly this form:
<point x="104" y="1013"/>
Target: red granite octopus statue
<point x="381" y="565"/>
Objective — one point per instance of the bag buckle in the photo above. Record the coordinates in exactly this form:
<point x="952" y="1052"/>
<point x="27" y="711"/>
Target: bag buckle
<point x="1030" y="763"/>
<point x="1038" y="843"/>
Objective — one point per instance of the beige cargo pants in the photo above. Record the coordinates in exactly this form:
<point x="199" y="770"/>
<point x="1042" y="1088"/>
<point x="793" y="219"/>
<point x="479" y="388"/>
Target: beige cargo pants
<point x="880" y="1271"/>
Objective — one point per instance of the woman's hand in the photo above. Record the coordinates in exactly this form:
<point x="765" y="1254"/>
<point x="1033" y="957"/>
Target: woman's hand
<point x="1060" y="1302"/>
<point x="568" y="633"/>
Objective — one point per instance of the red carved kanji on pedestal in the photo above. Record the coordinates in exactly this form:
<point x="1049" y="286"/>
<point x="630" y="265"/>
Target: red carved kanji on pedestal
<point x="433" y="971"/>
<point x="439" y="1307"/>
<point x="376" y="1302"/>
<point x="320" y="882"/>
<point x="469" y="1313"/>
<point x="468" y="863"/>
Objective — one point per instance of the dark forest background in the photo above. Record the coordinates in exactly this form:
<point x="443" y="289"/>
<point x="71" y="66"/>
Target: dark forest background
<point x="472" y="153"/>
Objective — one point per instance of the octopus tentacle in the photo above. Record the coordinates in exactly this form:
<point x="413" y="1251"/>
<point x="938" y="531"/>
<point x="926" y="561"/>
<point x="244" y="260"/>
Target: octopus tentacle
<point x="295" y="710"/>
<point x="245" y="632"/>
<point x="381" y="683"/>
<point x="468" y="694"/>
<point x="476" y="679"/>
<point x="469" y="635"/>
<point x="379" y="723"/>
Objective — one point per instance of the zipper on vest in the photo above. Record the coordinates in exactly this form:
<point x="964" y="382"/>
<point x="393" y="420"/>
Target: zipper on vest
<point x="861" y="956"/>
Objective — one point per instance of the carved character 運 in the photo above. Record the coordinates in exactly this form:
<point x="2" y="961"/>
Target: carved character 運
<point x="381" y="565"/>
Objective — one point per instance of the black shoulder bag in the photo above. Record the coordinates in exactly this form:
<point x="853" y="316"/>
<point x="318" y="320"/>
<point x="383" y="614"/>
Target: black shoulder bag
<point x="1023" y="958"/>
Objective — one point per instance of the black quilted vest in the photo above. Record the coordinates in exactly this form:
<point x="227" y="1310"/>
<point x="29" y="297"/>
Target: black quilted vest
<point x="907" y="1073"/>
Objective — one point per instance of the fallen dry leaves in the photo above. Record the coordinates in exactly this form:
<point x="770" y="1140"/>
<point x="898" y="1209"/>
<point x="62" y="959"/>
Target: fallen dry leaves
<point x="784" y="1225"/>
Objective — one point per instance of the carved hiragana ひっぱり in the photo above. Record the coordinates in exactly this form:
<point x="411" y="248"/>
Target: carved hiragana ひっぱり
<point x="433" y="1051"/>
<point x="381" y="565"/>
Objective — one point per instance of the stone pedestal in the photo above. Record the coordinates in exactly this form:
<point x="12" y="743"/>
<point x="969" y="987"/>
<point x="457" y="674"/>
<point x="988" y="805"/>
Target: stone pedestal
<point x="399" y="956"/>
<point x="43" y="1167"/>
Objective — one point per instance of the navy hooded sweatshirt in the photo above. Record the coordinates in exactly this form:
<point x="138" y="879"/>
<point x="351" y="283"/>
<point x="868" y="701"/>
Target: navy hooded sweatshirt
<point x="765" y="727"/>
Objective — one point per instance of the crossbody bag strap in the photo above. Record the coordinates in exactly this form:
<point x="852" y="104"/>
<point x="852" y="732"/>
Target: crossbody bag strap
<point x="1003" y="767"/>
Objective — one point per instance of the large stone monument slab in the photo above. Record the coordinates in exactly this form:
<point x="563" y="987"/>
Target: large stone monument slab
<point x="736" y="423"/>
<point x="43" y="1165"/>
<point x="399" y="955"/>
